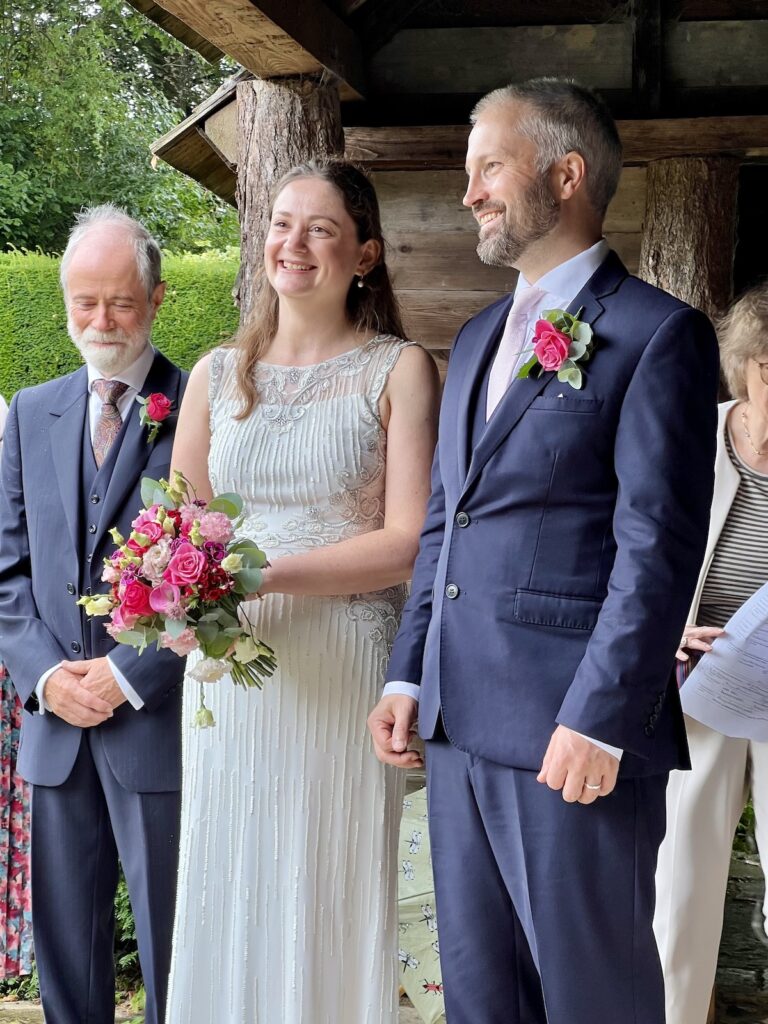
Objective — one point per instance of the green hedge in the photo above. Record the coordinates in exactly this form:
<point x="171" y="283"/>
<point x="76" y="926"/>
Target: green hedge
<point x="198" y="313"/>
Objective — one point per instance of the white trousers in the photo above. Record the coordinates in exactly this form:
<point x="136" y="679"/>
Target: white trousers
<point x="703" y="810"/>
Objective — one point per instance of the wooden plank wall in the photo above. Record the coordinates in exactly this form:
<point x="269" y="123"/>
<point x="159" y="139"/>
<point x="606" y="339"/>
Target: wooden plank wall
<point x="431" y="248"/>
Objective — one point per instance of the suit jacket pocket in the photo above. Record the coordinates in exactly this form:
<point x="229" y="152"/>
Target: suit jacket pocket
<point x="542" y="609"/>
<point x="568" y="403"/>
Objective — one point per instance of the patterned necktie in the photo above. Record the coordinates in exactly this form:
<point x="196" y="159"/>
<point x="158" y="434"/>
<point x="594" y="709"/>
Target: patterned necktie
<point x="109" y="422"/>
<point x="511" y="345"/>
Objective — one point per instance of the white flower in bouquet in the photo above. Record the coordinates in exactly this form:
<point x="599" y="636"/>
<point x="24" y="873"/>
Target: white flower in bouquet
<point x="209" y="670"/>
<point x="247" y="650"/>
<point x="232" y="563"/>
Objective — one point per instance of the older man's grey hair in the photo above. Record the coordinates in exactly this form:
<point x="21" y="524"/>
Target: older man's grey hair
<point x="560" y="116"/>
<point x="743" y="335"/>
<point x="148" y="257"/>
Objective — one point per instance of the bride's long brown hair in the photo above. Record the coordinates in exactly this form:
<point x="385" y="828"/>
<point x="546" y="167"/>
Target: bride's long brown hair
<point x="370" y="308"/>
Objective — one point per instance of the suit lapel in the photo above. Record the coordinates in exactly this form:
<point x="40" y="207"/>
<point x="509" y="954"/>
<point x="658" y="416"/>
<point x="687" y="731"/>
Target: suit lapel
<point x="135" y="449"/>
<point x="521" y="393"/>
<point x="482" y="349"/>
<point x="68" y="414"/>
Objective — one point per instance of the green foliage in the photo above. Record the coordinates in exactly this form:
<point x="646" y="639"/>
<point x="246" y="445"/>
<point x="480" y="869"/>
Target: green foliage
<point x="197" y="315"/>
<point x="85" y="87"/>
<point x="24" y="988"/>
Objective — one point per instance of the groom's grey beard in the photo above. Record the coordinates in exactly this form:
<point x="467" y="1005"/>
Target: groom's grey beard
<point x="125" y="346"/>
<point x="531" y="219"/>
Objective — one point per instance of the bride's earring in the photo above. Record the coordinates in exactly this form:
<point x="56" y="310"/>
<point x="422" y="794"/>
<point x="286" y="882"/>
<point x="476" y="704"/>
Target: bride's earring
<point x="361" y="281"/>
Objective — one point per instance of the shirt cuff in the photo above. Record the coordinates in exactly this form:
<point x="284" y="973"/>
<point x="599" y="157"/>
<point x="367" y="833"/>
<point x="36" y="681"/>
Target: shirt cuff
<point x="615" y="751"/>
<point x="42" y="707"/>
<point x="133" y="698"/>
<point x="401" y="688"/>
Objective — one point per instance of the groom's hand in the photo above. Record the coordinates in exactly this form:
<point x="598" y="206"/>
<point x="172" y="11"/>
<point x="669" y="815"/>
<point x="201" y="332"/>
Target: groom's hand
<point x="580" y="769"/>
<point x="66" y="697"/>
<point x="97" y="677"/>
<point x="392" y="724"/>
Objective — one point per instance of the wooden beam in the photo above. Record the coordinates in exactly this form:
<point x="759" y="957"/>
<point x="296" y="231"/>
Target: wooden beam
<point x="447" y="61"/>
<point x="445" y="146"/>
<point x="647" y="55"/>
<point x="177" y="29"/>
<point x="455" y="60"/>
<point x="274" y="39"/>
<point x="380" y="20"/>
<point x="456" y="13"/>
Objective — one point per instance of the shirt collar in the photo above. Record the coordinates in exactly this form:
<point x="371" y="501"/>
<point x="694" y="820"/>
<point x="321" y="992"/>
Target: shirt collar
<point x="566" y="280"/>
<point x="133" y="375"/>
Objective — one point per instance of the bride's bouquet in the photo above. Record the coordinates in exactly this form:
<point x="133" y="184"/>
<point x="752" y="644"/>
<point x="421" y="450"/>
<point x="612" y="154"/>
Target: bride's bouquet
<point x="179" y="581"/>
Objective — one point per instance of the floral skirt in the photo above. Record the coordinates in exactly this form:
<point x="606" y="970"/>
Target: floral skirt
<point x="15" y="896"/>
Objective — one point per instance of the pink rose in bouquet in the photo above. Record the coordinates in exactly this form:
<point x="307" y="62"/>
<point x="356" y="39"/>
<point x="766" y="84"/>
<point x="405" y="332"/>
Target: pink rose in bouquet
<point x="186" y="565"/>
<point x="135" y="598"/>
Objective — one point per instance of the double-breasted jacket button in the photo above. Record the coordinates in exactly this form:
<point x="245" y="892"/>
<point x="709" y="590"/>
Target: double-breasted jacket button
<point x="92" y="528"/>
<point x="648" y="730"/>
<point x="75" y="646"/>
<point x="452" y="591"/>
<point x="462" y="519"/>
<point x="95" y="499"/>
<point x="70" y="588"/>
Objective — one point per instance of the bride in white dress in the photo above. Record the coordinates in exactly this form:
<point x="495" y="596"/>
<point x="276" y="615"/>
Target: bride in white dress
<point x="324" y="421"/>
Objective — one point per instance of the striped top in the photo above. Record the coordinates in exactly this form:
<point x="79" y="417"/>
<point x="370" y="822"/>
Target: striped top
<point x="739" y="563"/>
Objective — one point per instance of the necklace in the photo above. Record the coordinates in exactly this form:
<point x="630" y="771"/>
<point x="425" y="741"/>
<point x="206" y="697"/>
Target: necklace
<point x="747" y="434"/>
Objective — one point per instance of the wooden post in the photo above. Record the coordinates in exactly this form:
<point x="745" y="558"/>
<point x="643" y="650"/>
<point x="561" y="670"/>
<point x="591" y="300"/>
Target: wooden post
<point x="280" y="123"/>
<point x="690" y="229"/>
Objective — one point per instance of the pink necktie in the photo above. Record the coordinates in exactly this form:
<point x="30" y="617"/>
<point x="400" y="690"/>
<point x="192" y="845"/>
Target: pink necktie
<point x="109" y="422"/>
<point x="511" y="345"/>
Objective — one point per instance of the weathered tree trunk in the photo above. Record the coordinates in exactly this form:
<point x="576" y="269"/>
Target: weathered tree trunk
<point x="280" y="123"/>
<point x="690" y="229"/>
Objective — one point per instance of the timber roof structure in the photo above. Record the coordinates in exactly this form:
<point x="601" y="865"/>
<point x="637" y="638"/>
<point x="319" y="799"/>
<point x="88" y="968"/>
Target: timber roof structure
<point x="410" y="71"/>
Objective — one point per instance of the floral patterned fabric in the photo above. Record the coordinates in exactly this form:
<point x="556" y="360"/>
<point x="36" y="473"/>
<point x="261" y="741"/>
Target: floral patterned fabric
<point x="15" y="898"/>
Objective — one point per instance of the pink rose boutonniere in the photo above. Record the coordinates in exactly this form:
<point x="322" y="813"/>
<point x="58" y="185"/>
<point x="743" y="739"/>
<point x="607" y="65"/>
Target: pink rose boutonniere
<point x="154" y="409"/>
<point x="561" y="341"/>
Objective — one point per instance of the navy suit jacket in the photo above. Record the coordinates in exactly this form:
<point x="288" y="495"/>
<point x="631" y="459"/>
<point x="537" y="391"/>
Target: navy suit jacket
<point x="42" y="565"/>
<point x="560" y="555"/>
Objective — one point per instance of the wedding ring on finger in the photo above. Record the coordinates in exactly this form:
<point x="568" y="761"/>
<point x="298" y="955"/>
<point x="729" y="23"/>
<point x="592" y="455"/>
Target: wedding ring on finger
<point x="593" y="786"/>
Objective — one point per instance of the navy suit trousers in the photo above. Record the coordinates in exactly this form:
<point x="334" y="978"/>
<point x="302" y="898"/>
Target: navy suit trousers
<point x="544" y="908"/>
<point x="79" y="829"/>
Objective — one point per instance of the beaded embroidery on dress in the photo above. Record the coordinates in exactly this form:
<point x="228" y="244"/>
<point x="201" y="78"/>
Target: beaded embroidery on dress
<point x="287" y="903"/>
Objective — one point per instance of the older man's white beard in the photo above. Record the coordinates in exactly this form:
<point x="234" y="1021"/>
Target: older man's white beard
<point x="125" y="347"/>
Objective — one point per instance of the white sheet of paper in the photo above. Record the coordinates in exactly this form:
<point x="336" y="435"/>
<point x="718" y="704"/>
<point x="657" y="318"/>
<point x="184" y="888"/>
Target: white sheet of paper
<point x="728" y="689"/>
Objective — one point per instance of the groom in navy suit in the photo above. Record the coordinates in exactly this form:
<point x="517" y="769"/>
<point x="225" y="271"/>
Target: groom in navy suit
<point x="100" y="739"/>
<point x="564" y="534"/>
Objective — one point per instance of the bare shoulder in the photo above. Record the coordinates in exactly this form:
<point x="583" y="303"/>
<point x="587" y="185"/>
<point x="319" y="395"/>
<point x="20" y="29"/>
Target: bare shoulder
<point x="415" y="369"/>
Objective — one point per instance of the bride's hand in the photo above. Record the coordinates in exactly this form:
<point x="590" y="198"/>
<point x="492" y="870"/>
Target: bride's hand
<point x="696" y="638"/>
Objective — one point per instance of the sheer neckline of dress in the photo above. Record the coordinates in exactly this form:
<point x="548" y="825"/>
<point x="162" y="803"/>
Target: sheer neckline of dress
<point x="324" y="362"/>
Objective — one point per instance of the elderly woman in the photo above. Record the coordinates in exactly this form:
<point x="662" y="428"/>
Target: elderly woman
<point x="705" y="804"/>
<point x="15" y="904"/>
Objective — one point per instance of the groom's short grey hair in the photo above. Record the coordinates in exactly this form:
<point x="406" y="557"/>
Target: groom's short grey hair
<point x="148" y="256"/>
<point x="564" y="117"/>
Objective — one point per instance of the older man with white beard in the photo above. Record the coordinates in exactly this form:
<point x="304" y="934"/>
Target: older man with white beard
<point x="101" y="732"/>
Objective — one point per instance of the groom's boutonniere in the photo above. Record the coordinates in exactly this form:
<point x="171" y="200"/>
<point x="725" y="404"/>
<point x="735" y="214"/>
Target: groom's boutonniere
<point x="561" y="341"/>
<point x="154" y="409"/>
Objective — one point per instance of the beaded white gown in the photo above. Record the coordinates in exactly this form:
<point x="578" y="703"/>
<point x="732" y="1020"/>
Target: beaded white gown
<point x="287" y="897"/>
